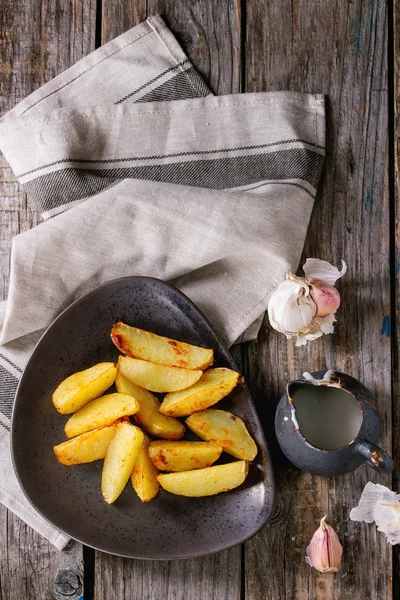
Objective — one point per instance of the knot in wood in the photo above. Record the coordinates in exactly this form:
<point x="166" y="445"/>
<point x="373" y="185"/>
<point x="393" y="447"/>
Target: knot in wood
<point x="68" y="584"/>
<point x="185" y="40"/>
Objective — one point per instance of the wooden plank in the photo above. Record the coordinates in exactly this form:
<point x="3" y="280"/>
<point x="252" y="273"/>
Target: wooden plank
<point x="211" y="578"/>
<point x="210" y="35"/>
<point x="32" y="568"/>
<point x="394" y="23"/>
<point x="121" y="15"/>
<point x="339" y="49"/>
<point x="209" y="32"/>
<point x="37" y="41"/>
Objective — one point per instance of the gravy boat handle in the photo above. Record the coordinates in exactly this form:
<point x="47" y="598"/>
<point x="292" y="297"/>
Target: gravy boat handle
<point x="375" y="457"/>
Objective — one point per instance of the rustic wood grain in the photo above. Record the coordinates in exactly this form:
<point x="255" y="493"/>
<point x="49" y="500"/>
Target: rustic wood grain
<point x="338" y="48"/>
<point x="394" y="129"/>
<point x="38" y="40"/>
<point x="212" y="578"/>
<point x="210" y="35"/>
<point x="120" y="15"/>
<point x="209" y="32"/>
<point x="32" y="568"/>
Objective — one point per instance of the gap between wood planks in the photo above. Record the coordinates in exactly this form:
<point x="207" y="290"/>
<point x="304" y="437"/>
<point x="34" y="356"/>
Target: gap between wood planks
<point x="393" y="9"/>
<point x="99" y="24"/>
<point x="243" y="29"/>
<point x="89" y="554"/>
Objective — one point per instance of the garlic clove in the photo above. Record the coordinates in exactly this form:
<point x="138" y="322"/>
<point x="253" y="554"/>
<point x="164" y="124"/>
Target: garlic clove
<point x="327" y="300"/>
<point x="322" y="272"/>
<point x="324" y="552"/>
<point x="290" y="307"/>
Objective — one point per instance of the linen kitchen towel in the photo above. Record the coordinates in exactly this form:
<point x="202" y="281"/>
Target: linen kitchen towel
<point x="137" y="169"/>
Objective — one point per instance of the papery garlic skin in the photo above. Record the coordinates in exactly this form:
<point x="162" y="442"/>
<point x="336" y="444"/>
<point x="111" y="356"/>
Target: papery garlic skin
<point x="324" y="552"/>
<point x="380" y="505"/>
<point x="387" y="517"/>
<point x="322" y="273"/>
<point x="371" y="494"/>
<point x="318" y="327"/>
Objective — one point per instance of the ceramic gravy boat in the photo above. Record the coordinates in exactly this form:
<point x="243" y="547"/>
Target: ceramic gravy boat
<point x="327" y="424"/>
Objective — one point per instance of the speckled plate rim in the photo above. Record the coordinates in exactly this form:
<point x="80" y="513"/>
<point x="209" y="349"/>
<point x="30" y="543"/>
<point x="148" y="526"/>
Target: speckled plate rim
<point x="232" y="364"/>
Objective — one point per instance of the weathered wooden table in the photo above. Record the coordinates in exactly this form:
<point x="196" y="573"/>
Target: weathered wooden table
<point x="346" y="49"/>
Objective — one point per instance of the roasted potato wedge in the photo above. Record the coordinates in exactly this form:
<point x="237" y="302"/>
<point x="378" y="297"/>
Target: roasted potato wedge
<point x="122" y="454"/>
<point x="149" y="417"/>
<point x="80" y="388"/>
<point x="225" y="429"/>
<point x="205" y="482"/>
<point x="157" y="378"/>
<point x="144" y="475"/>
<point x="183" y="456"/>
<point x="138" y="343"/>
<point x="99" y="412"/>
<point x="211" y="387"/>
<point x="87" y="447"/>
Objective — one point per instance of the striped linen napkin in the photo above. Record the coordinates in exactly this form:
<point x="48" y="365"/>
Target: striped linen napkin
<point x="137" y="169"/>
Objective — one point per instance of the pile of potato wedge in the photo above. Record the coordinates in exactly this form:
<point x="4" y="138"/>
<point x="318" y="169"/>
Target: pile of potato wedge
<point x="101" y="428"/>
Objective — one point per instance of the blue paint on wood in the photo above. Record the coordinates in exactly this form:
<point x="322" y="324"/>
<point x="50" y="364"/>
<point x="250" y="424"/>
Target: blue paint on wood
<point x="385" y="330"/>
<point x="357" y="38"/>
<point x="368" y="202"/>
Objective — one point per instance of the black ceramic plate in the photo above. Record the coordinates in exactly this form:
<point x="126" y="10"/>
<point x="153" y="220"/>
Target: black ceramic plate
<point x="70" y="497"/>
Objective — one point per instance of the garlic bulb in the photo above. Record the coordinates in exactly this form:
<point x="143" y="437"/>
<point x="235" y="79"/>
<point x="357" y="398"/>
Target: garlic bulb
<point x="304" y="308"/>
<point x="379" y="504"/>
<point x="324" y="552"/>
